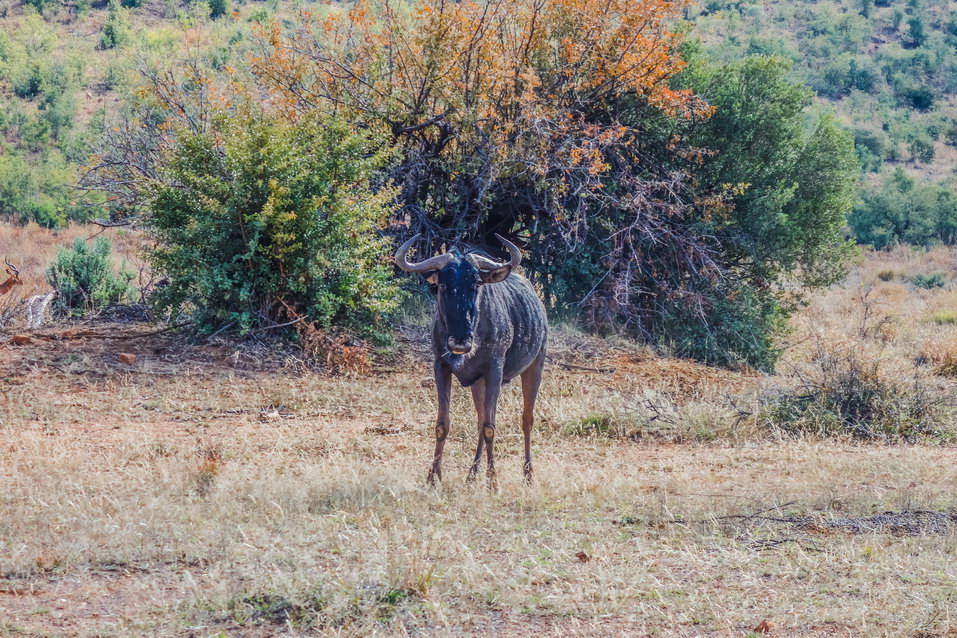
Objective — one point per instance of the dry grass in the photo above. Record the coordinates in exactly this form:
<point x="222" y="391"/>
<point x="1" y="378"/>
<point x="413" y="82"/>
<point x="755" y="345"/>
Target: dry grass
<point x="196" y="492"/>
<point x="137" y="503"/>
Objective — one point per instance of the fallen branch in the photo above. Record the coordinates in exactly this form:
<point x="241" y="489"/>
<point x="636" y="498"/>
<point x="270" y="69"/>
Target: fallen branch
<point x="109" y="223"/>
<point x="571" y="366"/>
<point x="148" y="334"/>
<point x="278" y="325"/>
<point x="93" y="334"/>
<point x="105" y="224"/>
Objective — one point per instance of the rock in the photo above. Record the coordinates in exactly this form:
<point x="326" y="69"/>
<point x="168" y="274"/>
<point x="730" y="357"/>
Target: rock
<point x="127" y="358"/>
<point x="21" y="340"/>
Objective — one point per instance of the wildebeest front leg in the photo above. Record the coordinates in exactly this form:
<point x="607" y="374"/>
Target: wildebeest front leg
<point x="493" y="384"/>
<point x="531" y="382"/>
<point x="443" y="388"/>
<point x="478" y="398"/>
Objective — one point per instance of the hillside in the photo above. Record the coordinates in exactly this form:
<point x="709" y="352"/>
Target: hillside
<point x="888" y="69"/>
<point x="67" y="71"/>
<point x="889" y="72"/>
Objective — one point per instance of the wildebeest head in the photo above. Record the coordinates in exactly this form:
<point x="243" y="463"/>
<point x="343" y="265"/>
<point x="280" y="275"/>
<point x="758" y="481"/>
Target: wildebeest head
<point x="458" y="277"/>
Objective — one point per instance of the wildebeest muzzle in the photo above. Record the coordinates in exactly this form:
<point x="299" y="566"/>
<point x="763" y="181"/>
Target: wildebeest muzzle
<point x="459" y="345"/>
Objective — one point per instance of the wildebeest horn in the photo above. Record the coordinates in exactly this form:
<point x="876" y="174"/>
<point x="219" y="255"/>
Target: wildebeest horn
<point x="432" y="263"/>
<point x="484" y="263"/>
<point x="13" y="269"/>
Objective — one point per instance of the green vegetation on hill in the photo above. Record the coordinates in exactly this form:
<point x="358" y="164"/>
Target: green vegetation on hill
<point x="887" y="67"/>
<point x="40" y="142"/>
<point x="889" y="70"/>
<point x="66" y="69"/>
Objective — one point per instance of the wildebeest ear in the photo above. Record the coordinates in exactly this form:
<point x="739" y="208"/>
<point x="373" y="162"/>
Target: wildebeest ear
<point x="433" y="277"/>
<point x="495" y="276"/>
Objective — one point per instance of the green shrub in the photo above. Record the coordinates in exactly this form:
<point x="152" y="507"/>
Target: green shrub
<point x="871" y="146"/>
<point x="918" y="97"/>
<point x="899" y="210"/>
<point x="918" y="29"/>
<point x="28" y="81"/>
<point x="262" y="15"/>
<point x="35" y="134"/>
<point x="921" y="148"/>
<point x="40" y="5"/>
<point x="263" y="221"/>
<point x="116" y="75"/>
<point x="218" y="8"/>
<point x="116" y="29"/>
<point x="928" y="281"/>
<point x="951" y="26"/>
<point x="59" y="113"/>
<point x="85" y="279"/>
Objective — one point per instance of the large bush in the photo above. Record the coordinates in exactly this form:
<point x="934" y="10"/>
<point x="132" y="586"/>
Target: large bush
<point x="557" y="125"/>
<point x="784" y="184"/>
<point x="116" y="29"/>
<point x="260" y="221"/>
<point x="639" y="206"/>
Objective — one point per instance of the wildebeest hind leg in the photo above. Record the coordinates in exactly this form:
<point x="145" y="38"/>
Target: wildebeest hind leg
<point x="493" y="385"/>
<point x="478" y="398"/>
<point x="531" y="382"/>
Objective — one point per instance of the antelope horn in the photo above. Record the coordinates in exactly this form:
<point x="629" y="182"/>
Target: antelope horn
<point x="13" y="269"/>
<point x="484" y="263"/>
<point x="432" y="263"/>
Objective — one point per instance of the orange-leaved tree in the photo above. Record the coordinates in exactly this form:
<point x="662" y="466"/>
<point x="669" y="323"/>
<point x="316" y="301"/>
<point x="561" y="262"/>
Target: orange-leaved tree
<point x="506" y="108"/>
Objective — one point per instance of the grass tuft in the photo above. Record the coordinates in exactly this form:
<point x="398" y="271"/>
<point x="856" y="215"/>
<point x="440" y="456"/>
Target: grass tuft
<point x="944" y="317"/>
<point x="886" y="275"/>
<point x="848" y="392"/>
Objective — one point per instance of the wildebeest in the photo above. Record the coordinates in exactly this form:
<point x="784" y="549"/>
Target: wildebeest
<point x="489" y="327"/>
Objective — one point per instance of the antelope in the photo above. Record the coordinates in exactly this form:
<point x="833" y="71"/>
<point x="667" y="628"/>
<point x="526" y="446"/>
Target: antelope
<point x="489" y="327"/>
<point x="12" y="280"/>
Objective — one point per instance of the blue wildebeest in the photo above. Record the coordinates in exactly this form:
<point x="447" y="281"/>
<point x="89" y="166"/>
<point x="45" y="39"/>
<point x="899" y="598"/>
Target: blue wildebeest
<point x="489" y="327"/>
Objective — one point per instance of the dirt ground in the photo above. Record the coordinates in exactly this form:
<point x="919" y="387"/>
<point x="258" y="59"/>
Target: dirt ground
<point x="205" y="490"/>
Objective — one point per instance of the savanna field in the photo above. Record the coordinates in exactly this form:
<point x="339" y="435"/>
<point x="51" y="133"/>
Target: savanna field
<point x="222" y="225"/>
<point x="212" y="489"/>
